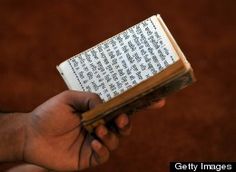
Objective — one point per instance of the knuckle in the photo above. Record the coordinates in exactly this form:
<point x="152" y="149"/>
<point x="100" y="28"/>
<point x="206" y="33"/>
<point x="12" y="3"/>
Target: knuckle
<point x="94" y="96"/>
<point x="66" y="93"/>
<point x="94" y="100"/>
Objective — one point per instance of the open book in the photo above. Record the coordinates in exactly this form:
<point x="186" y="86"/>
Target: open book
<point x="128" y="70"/>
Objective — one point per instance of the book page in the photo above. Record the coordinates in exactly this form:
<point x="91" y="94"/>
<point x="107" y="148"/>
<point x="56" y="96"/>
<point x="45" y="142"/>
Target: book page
<point x="122" y="61"/>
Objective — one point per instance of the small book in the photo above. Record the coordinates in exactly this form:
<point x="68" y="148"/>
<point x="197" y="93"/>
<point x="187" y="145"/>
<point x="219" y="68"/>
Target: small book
<point x="128" y="71"/>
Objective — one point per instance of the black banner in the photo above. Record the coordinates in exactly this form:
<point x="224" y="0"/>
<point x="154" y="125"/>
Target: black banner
<point x="202" y="166"/>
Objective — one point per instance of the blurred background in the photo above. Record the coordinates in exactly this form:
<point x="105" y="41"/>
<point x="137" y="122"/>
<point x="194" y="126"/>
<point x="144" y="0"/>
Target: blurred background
<point x="197" y="124"/>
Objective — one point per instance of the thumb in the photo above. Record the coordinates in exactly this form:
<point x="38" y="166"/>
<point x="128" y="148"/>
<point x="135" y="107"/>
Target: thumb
<point x="82" y="101"/>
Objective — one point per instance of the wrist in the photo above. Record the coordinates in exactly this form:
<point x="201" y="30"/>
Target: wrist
<point x="12" y="134"/>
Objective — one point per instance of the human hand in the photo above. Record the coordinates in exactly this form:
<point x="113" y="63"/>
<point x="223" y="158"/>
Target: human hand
<point x="56" y="140"/>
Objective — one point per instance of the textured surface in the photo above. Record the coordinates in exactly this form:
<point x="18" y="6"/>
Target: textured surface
<point x="196" y="124"/>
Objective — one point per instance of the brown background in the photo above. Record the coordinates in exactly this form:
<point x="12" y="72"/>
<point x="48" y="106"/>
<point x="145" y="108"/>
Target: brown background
<point x="197" y="124"/>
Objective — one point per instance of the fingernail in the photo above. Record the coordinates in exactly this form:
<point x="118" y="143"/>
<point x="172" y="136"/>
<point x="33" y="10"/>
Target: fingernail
<point x="161" y="103"/>
<point x="102" y="131"/>
<point x="96" y="144"/>
<point x="124" y="122"/>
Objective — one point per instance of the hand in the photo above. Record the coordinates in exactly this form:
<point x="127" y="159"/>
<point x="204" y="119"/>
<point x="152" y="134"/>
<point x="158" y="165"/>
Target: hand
<point x="56" y="140"/>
